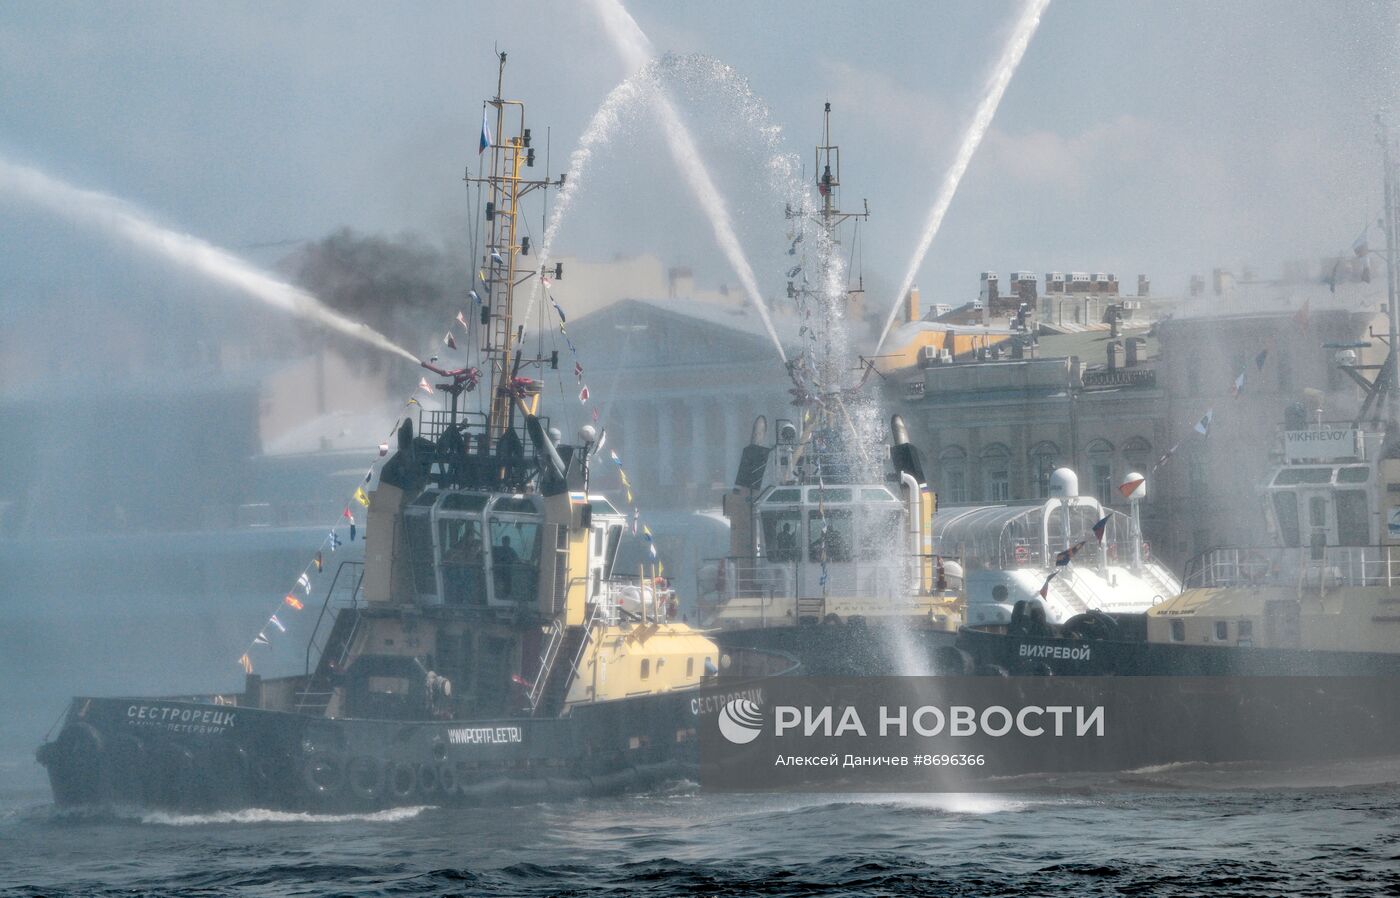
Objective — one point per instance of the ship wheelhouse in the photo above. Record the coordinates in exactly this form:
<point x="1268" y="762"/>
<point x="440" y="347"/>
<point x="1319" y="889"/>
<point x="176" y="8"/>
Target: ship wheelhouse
<point x="846" y="536"/>
<point x="472" y="549"/>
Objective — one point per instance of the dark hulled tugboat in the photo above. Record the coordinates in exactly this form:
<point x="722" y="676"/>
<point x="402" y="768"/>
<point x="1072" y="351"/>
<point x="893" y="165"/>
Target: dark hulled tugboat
<point x="486" y="650"/>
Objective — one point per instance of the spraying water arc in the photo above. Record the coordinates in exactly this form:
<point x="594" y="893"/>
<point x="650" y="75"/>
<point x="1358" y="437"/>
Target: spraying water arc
<point x="637" y="50"/>
<point x="117" y="218"/>
<point x="1006" y="66"/>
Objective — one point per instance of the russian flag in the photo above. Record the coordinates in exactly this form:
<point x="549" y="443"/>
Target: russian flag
<point x="1102" y="526"/>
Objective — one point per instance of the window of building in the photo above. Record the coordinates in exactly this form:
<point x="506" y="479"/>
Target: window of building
<point x="1100" y="454"/>
<point x="1245" y="629"/>
<point x="1045" y="458"/>
<point x="646" y="668"/>
<point x="1137" y="455"/>
<point x="1178" y="631"/>
<point x="952" y="472"/>
<point x="996" y="473"/>
<point x="1222" y="630"/>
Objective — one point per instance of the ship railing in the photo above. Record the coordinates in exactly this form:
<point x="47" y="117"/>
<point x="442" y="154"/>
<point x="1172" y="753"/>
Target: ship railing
<point x="344" y="592"/>
<point x="1319" y="568"/>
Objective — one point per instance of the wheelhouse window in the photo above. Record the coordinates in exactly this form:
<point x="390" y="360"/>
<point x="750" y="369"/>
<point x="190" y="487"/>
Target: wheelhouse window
<point x="1286" y="511"/>
<point x="880" y="535"/>
<point x="1178" y="631"/>
<point x="782" y="539"/>
<point x="514" y="555"/>
<point x="463" y="558"/>
<point x="831" y="542"/>
<point x="1353" y="518"/>
<point x="418" y="530"/>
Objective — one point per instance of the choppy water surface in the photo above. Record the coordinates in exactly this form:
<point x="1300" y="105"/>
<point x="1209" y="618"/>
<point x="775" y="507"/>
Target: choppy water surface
<point x="1179" y="830"/>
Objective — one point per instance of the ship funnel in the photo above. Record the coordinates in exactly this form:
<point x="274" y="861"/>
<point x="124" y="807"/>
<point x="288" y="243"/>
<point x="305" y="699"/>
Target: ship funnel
<point x="904" y="455"/>
<point x="759" y="434"/>
<point x="900" y="431"/>
<point x="753" y="461"/>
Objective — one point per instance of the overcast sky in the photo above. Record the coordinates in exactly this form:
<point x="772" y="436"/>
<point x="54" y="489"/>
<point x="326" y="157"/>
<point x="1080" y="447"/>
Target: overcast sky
<point x="1163" y="138"/>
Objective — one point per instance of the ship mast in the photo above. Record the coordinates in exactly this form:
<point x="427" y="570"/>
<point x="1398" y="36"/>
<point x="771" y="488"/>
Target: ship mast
<point x="500" y="270"/>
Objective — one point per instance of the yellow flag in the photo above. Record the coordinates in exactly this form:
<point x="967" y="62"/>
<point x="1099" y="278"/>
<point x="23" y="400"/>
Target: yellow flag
<point x="361" y="496"/>
<point x="246" y="663"/>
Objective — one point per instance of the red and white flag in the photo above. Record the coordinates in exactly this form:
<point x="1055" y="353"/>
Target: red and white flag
<point x="583" y="394"/>
<point x="449" y="340"/>
<point x="425" y="386"/>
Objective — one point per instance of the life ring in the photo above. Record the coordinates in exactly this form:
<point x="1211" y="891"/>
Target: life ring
<point x="1091" y="625"/>
<point x="447" y="779"/>
<point x="402" y="780"/>
<point x="1023" y="554"/>
<point x="323" y="773"/>
<point x="365" y="777"/>
<point x="427" y="779"/>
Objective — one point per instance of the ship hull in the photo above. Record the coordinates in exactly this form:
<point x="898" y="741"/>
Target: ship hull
<point x="992" y="651"/>
<point x="847" y="650"/>
<point x="190" y="756"/>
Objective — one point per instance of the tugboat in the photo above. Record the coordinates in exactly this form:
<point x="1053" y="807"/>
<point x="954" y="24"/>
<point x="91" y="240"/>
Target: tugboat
<point x="829" y="545"/>
<point x="486" y="650"/>
<point x="1322" y="600"/>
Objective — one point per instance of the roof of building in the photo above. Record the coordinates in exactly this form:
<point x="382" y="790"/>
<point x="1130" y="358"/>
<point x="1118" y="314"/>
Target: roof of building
<point x="1092" y="346"/>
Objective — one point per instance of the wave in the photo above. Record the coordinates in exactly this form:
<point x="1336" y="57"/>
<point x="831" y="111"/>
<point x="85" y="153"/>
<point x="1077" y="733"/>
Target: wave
<point x="267" y="815"/>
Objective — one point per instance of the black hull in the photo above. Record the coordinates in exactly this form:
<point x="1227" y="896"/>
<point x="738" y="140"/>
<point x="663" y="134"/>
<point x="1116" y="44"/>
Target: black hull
<point x="197" y="757"/>
<point x="846" y="650"/>
<point x="991" y="651"/>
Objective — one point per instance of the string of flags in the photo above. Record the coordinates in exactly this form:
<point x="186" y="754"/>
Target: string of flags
<point x="634" y="513"/>
<point x="306" y="578"/>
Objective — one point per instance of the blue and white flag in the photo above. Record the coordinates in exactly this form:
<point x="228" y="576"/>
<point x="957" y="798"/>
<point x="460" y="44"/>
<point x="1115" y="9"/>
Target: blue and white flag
<point x="485" y="131"/>
<point x="1203" y="425"/>
<point x="496" y="257"/>
<point x="335" y="540"/>
<point x="277" y="623"/>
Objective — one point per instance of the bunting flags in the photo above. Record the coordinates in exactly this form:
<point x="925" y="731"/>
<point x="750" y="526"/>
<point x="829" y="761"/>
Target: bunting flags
<point x="461" y="319"/>
<point x="578" y="372"/>
<point x="1128" y="487"/>
<point x="476" y="300"/>
<point x="558" y="311"/>
<point x="1101" y="527"/>
<point x="361" y="496"/>
<point x="320" y="564"/>
<point x="496" y="257"/>
<point x="1259" y="359"/>
<point x="651" y="543"/>
<point x="425" y="386"/>
<point x="1239" y="384"/>
<point x="1361" y="245"/>
<point x="292" y="602"/>
<point x="1045" y="587"/>
<point x="485" y="132"/>
<point x="277" y="623"/>
<point x="246" y="663"/>
<point x="334" y="540"/>
<point x="261" y="639"/>
<point x="448" y="340"/>
<point x="583" y="394"/>
<point x="304" y="582"/>
<point x="1203" y="426"/>
<point x="1067" y="555"/>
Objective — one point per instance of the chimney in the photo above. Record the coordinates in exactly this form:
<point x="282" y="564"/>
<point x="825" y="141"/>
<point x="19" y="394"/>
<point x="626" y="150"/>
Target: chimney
<point x="1144" y="285"/>
<point x="911" y="304"/>
<point x="1132" y="346"/>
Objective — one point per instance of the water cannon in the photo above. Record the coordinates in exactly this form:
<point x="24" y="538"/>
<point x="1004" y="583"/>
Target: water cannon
<point x="462" y="379"/>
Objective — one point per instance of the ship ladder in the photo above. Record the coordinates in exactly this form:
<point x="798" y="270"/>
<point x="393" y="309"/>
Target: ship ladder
<point x="547" y="658"/>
